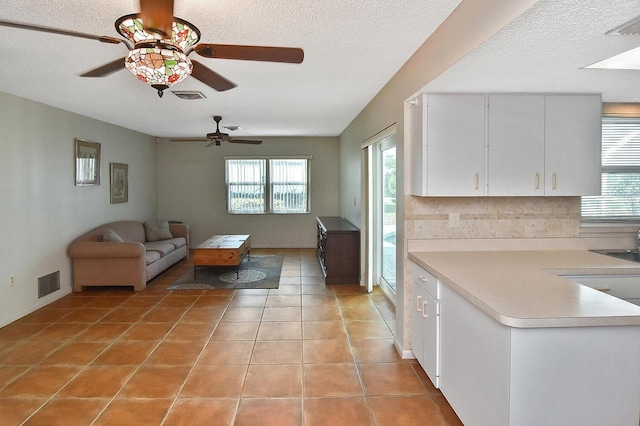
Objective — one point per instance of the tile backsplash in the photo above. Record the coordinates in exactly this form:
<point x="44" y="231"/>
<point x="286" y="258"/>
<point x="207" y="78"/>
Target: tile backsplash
<point x="492" y="217"/>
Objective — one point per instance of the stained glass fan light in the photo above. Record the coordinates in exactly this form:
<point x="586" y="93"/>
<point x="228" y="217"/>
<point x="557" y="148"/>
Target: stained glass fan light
<point x="160" y="63"/>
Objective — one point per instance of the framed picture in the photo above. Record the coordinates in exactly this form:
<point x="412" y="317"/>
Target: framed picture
<point x="87" y="163"/>
<point x="119" y="183"/>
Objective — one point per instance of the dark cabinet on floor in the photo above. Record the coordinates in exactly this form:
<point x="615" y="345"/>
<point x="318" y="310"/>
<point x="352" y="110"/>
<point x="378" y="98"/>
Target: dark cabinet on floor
<point x="338" y="250"/>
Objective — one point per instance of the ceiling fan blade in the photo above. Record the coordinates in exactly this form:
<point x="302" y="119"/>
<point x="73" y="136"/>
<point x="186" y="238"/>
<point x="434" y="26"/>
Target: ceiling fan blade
<point x="247" y="141"/>
<point x="292" y="55"/>
<point x="157" y="17"/>
<point x="105" y="69"/>
<point x="211" y="78"/>
<point x="104" y="39"/>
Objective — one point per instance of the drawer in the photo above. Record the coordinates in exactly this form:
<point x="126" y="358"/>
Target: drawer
<point x="620" y="286"/>
<point x="425" y="280"/>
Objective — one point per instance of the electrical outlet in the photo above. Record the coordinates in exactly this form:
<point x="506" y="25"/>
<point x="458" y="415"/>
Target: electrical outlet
<point x="12" y="280"/>
<point x="454" y="220"/>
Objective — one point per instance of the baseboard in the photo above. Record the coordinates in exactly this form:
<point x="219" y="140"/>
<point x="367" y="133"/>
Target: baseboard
<point x="40" y="304"/>
<point x="404" y="353"/>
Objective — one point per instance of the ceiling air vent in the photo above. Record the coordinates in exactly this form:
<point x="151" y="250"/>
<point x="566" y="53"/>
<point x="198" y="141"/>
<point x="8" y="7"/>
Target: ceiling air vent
<point x="188" y="95"/>
<point x="631" y="27"/>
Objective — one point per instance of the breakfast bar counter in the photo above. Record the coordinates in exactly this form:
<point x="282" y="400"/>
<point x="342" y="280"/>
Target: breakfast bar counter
<point x="527" y="288"/>
<point x="515" y="338"/>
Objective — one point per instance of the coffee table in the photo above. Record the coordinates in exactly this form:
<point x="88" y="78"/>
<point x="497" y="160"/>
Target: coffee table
<point x="222" y="250"/>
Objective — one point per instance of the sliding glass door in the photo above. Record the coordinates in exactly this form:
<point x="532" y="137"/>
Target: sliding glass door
<point x="387" y="214"/>
<point x="379" y="217"/>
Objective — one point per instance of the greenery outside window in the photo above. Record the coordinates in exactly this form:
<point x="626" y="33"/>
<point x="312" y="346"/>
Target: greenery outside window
<point x="620" y="199"/>
<point x="262" y="185"/>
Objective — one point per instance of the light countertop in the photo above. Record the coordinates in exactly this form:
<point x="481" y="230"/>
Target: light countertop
<point x="524" y="289"/>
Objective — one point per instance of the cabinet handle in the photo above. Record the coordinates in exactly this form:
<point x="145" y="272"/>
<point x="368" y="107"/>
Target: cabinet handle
<point x="423" y="279"/>
<point x="424" y="309"/>
<point x="537" y="180"/>
<point x="418" y="303"/>
<point x="603" y="289"/>
<point x="477" y="181"/>
<point x="555" y="180"/>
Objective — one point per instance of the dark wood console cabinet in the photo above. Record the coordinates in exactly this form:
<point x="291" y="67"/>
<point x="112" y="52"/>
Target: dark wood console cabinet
<point x="338" y="250"/>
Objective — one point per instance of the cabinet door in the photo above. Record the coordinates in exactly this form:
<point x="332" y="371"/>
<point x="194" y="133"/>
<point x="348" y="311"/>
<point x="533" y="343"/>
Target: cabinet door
<point x="416" y="114"/>
<point x="426" y="333"/>
<point x="418" y="329"/>
<point x="516" y="145"/>
<point x="456" y="145"/>
<point x="573" y="137"/>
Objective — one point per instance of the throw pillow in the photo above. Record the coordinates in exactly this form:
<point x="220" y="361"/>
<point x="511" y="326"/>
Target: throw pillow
<point x="157" y="231"/>
<point x="111" y="236"/>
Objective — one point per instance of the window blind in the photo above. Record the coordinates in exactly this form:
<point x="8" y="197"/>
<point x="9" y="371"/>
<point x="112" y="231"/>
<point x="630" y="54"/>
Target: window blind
<point x="288" y="185"/>
<point x="620" y="199"/>
<point x="246" y="186"/>
<point x="267" y="185"/>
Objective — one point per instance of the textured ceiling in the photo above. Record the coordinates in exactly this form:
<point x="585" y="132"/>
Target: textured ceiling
<point x="352" y="48"/>
<point x="545" y="49"/>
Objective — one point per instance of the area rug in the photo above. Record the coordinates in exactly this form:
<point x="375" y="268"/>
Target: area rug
<point x="257" y="272"/>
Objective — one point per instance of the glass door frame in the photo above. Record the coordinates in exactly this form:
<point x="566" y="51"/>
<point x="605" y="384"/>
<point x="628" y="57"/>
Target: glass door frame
<point x="372" y="235"/>
<point x="384" y="144"/>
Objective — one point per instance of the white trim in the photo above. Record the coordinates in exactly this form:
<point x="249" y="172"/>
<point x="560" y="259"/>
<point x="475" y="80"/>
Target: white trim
<point x="268" y="157"/>
<point x="382" y="134"/>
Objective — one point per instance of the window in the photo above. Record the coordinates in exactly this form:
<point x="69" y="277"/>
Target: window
<point x="267" y="185"/>
<point x="620" y="199"/>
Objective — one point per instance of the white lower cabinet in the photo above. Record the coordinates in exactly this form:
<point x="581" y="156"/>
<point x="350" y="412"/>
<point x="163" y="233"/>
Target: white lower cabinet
<point x="626" y="287"/>
<point x="426" y="323"/>
<point x="492" y="374"/>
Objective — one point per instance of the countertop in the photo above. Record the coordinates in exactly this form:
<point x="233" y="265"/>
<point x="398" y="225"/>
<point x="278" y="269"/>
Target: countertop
<point x="525" y="289"/>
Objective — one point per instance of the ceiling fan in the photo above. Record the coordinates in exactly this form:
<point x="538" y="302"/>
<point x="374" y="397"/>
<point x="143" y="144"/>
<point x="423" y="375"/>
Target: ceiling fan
<point x="217" y="137"/>
<point x="159" y="44"/>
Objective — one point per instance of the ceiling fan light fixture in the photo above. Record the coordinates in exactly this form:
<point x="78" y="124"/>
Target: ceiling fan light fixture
<point x="158" y="62"/>
<point x="158" y="67"/>
<point x="184" y="35"/>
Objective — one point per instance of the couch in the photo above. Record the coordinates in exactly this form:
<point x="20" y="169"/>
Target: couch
<point x="127" y="253"/>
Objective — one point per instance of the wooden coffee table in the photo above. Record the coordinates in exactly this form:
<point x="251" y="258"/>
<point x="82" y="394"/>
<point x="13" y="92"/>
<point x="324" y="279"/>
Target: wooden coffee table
<point x="222" y="250"/>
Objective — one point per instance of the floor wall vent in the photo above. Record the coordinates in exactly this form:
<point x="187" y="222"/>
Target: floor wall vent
<point x="48" y="284"/>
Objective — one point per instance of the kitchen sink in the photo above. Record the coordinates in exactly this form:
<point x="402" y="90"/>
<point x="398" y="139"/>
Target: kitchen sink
<point x="633" y="255"/>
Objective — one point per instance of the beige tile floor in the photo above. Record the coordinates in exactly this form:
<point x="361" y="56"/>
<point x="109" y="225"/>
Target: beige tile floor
<point x="304" y="354"/>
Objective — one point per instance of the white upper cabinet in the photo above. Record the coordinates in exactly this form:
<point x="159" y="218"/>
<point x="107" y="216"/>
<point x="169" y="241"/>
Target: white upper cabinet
<point x="416" y="146"/>
<point x="516" y="145"/>
<point x="505" y="144"/>
<point x="573" y="139"/>
<point x="451" y="145"/>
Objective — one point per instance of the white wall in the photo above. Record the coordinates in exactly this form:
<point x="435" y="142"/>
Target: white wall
<point x="41" y="209"/>
<point x="191" y="188"/>
<point x="466" y="28"/>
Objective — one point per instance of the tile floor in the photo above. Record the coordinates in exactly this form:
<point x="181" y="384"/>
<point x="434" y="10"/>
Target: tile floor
<point x="304" y="354"/>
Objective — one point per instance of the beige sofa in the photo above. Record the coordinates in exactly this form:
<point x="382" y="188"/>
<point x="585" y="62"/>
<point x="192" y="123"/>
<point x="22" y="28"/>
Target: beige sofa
<point x="127" y="253"/>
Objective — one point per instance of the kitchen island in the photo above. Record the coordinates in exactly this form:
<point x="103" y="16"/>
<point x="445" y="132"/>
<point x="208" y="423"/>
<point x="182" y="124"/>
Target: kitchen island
<point x="518" y="344"/>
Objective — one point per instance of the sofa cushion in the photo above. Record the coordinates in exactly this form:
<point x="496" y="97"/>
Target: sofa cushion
<point x="160" y="247"/>
<point x="158" y="230"/>
<point x="110" y="236"/>
<point x="177" y="242"/>
<point x="151" y="256"/>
